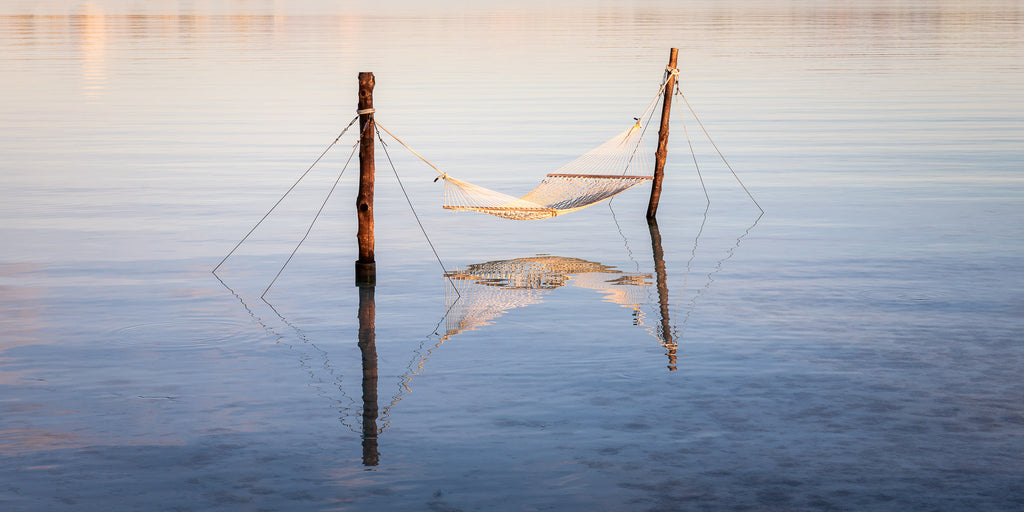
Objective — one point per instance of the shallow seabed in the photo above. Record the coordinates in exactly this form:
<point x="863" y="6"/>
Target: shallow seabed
<point x="857" y="347"/>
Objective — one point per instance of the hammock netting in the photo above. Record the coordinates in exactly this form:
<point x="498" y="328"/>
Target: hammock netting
<point x="602" y="173"/>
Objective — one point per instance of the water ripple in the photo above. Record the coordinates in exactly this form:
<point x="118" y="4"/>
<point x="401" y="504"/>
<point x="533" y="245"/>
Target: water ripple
<point x="187" y="333"/>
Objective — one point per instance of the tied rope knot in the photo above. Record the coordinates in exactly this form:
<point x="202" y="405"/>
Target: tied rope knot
<point x="669" y="73"/>
<point x="365" y="111"/>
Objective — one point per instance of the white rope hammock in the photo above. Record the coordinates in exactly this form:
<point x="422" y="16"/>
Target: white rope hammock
<point x="572" y="187"/>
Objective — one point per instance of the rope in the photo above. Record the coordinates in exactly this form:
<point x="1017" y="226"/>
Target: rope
<point x="734" y="175"/>
<point x="441" y="173"/>
<point x="303" y="358"/>
<point x="686" y="275"/>
<point x="625" y="241"/>
<point x="336" y="139"/>
<point x="411" y="207"/>
<point x="694" y="155"/>
<point x="649" y="113"/>
<point x="303" y="361"/>
<point x="317" y="216"/>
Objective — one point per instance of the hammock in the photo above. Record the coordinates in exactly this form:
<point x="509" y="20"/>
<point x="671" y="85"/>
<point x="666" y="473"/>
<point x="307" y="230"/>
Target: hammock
<point x="572" y="187"/>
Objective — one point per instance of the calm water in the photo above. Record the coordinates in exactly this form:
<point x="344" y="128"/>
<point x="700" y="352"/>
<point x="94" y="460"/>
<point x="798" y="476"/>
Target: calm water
<point x="858" y="347"/>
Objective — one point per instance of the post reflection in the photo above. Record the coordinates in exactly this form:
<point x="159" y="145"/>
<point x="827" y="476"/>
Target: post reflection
<point x="666" y="336"/>
<point x="368" y="351"/>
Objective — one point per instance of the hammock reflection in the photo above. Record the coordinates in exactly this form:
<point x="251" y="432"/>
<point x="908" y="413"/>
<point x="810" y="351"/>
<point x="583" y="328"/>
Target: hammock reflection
<point x="483" y="292"/>
<point x="488" y="290"/>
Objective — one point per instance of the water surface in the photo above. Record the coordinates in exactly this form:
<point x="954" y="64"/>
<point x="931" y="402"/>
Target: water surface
<point x="857" y="347"/>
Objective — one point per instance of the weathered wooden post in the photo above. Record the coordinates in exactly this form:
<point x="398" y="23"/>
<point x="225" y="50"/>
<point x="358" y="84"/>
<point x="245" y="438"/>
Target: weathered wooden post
<point x="659" y="156"/>
<point x="366" y="267"/>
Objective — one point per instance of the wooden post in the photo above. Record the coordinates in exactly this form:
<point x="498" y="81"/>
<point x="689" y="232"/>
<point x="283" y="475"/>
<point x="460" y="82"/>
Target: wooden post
<point x="659" y="156"/>
<point x="366" y="267"/>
